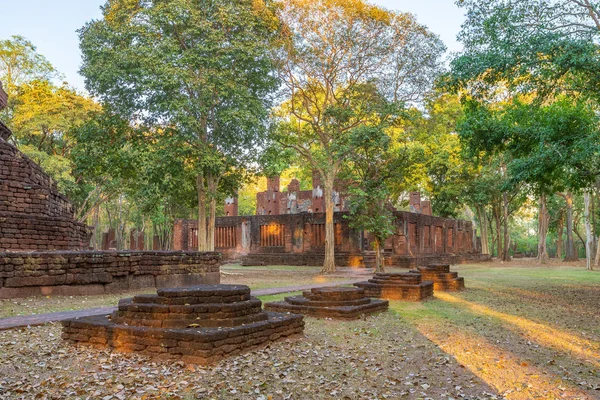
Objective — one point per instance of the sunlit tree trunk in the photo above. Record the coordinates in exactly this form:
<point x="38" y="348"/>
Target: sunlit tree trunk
<point x="329" y="263"/>
<point x="201" y="213"/>
<point x="485" y="247"/>
<point x="505" y="255"/>
<point x="570" y="254"/>
<point x="543" y="220"/>
<point x="589" y="242"/>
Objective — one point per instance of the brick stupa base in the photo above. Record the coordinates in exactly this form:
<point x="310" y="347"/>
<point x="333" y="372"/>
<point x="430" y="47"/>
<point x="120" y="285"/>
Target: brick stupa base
<point x="443" y="279"/>
<point x="397" y="286"/>
<point x="199" y="324"/>
<point x="330" y="302"/>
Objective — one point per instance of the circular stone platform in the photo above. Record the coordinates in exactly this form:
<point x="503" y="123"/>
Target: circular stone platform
<point x="330" y="302"/>
<point x="200" y="324"/>
<point x="443" y="279"/>
<point x="397" y="286"/>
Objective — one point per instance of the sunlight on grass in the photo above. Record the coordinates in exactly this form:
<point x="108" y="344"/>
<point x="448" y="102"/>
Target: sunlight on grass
<point x="512" y="376"/>
<point x="541" y="333"/>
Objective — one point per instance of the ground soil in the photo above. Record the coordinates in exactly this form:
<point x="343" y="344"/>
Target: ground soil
<point x="520" y="331"/>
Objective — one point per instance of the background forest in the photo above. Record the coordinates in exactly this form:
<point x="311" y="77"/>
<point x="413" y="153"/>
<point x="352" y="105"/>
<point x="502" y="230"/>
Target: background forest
<point x="504" y="134"/>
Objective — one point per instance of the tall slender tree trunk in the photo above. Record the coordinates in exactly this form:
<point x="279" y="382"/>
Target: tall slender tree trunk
<point x="485" y="246"/>
<point x="505" y="255"/>
<point x="593" y="193"/>
<point x="212" y="212"/>
<point x="589" y="242"/>
<point x="201" y="213"/>
<point x="498" y="232"/>
<point x="543" y="220"/>
<point x="96" y="238"/>
<point x="570" y="254"/>
<point x="559" y="235"/>
<point x="329" y="263"/>
<point x="378" y="256"/>
<point x="597" y="259"/>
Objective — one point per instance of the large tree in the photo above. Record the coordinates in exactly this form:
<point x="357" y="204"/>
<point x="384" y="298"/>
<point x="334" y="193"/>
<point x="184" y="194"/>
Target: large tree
<point x="201" y="71"/>
<point x="336" y="56"/>
<point x="20" y="63"/>
<point x="541" y="50"/>
<point x="378" y="160"/>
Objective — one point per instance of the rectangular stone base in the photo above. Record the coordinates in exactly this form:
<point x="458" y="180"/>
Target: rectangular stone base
<point x="193" y="345"/>
<point x="398" y="292"/>
<point x="344" y="312"/>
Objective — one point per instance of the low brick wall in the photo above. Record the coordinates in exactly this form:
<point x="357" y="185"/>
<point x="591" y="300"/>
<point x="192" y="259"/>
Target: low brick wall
<point x="92" y="272"/>
<point x="356" y="260"/>
<point x="427" y="259"/>
<point x="309" y="259"/>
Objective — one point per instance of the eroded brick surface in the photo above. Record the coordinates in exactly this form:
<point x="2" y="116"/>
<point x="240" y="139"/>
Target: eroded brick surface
<point x="443" y="279"/>
<point x="330" y="302"/>
<point x="99" y="272"/>
<point x="217" y="321"/>
<point x="397" y="286"/>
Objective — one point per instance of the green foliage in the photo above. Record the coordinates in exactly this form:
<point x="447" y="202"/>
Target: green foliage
<point x="20" y="63"/>
<point x="545" y="47"/>
<point x="368" y="172"/>
<point x="552" y="147"/>
<point x="199" y="68"/>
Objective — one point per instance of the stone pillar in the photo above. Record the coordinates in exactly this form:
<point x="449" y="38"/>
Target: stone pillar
<point x="231" y="207"/>
<point x="426" y="207"/>
<point x="415" y="202"/>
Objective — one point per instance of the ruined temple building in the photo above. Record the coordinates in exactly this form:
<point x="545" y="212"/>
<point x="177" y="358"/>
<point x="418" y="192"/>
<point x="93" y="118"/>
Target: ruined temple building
<point x="289" y="229"/>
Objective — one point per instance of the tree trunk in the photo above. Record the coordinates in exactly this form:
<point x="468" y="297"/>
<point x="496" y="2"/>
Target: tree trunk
<point x="594" y="227"/>
<point x="589" y="242"/>
<point x="559" y="236"/>
<point x="201" y="213"/>
<point x="498" y="232"/>
<point x="329" y="263"/>
<point x="378" y="256"/>
<point x="505" y="255"/>
<point x="597" y="260"/>
<point x="570" y="254"/>
<point x="96" y="238"/>
<point x="485" y="246"/>
<point x="543" y="219"/>
<point x="212" y="216"/>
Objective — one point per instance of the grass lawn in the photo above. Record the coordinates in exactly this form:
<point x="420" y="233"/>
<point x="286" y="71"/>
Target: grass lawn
<point x="519" y="331"/>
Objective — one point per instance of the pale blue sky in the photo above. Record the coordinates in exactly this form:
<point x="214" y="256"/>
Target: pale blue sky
<point x="51" y="25"/>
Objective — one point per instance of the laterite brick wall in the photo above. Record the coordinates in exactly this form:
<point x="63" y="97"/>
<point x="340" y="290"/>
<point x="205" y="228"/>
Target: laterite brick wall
<point x="94" y="272"/>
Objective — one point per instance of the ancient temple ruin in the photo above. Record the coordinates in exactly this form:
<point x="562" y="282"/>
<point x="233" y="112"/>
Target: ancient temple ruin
<point x="284" y="236"/>
<point x="330" y="302"/>
<point x="397" y="286"/>
<point x="199" y="325"/>
<point x="443" y="279"/>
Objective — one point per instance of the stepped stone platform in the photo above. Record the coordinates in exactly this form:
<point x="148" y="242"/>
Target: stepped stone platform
<point x="330" y="302"/>
<point x="443" y="279"/>
<point x="198" y="324"/>
<point x="397" y="286"/>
